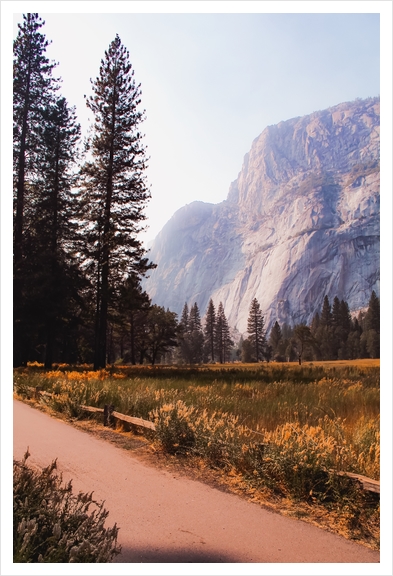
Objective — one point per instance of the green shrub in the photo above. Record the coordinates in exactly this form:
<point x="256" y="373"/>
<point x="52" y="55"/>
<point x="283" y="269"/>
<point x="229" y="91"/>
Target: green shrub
<point x="53" y="525"/>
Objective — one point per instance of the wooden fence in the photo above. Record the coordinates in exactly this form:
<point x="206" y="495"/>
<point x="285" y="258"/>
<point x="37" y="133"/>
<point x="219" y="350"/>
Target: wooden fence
<point x="110" y="417"/>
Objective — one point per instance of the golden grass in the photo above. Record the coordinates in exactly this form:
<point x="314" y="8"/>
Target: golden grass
<point x="310" y="419"/>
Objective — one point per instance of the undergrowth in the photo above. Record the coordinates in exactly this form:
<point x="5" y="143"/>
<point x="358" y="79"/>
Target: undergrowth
<point x="51" y="524"/>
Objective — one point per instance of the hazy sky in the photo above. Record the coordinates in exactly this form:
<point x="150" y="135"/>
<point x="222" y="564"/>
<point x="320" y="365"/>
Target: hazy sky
<point x="212" y="82"/>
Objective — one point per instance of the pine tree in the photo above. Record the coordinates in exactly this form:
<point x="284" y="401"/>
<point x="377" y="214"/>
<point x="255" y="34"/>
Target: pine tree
<point x="371" y="336"/>
<point x="183" y="325"/>
<point x="326" y="314"/>
<point x="196" y="335"/>
<point x="223" y="341"/>
<point x="190" y="335"/>
<point x="161" y="332"/>
<point x="53" y="224"/>
<point x="255" y="329"/>
<point x="372" y="319"/>
<point x="114" y="184"/>
<point x="133" y="305"/>
<point x="324" y="333"/>
<point x="276" y="342"/>
<point x="210" y="323"/>
<point x="33" y="91"/>
<point x="302" y="340"/>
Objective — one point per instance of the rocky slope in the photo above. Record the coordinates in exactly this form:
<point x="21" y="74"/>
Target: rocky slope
<point x="300" y="221"/>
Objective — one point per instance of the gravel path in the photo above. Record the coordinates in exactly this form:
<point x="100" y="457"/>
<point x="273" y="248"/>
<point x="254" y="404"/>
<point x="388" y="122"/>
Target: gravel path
<point x="167" y="518"/>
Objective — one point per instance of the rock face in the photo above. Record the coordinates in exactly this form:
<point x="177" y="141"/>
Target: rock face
<point x="300" y="221"/>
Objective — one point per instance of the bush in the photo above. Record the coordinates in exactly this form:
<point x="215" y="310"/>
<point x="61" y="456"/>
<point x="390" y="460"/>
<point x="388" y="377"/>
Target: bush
<point x="53" y="525"/>
<point x="173" y="428"/>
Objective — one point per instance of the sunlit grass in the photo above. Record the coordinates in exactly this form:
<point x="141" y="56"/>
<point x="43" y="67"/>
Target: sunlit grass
<point x="282" y="427"/>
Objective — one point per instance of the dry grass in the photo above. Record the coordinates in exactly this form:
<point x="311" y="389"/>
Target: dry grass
<point x="274" y="432"/>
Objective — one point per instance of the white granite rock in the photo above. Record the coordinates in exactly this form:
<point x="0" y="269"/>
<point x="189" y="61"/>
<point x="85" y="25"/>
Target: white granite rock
<point x="300" y="221"/>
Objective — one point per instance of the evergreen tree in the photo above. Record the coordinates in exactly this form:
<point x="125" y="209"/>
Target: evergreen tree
<point x="324" y="332"/>
<point x="161" y="332"/>
<point x="326" y="314"/>
<point x="114" y="185"/>
<point x="33" y="91"/>
<point x="133" y="306"/>
<point x="210" y="323"/>
<point x="372" y="319"/>
<point x="223" y="341"/>
<point x="315" y="323"/>
<point x="303" y="340"/>
<point x="183" y="325"/>
<point x="247" y="351"/>
<point x="276" y="342"/>
<point x="190" y="335"/>
<point x="255" y="329"/>
<point x="371" y="335"/>
<point x="195" y="335"/>
<point x="53" y="263"/>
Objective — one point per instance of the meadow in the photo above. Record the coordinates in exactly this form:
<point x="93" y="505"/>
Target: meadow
<point x="285" y="430"/>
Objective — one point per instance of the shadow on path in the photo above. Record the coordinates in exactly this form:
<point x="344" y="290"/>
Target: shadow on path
<point x="183" y="555"/>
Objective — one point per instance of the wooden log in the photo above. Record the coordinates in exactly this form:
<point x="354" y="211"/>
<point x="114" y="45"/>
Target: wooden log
<point x="368" y="484"/>
<point x="135" y="421"/>
<point x="92" y="409"/>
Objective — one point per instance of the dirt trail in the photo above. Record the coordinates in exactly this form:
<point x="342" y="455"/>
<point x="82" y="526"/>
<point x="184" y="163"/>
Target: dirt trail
<point x="166" y="518"/>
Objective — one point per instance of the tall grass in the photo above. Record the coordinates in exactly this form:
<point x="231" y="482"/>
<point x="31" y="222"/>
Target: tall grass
<point x="286" y="428"/>
<point x="341" y="401"/>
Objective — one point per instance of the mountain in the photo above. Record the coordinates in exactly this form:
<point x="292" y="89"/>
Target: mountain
<point x="300" y="221"/>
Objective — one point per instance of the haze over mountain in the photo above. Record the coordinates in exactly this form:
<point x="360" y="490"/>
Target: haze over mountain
<point x="300" y="221"/>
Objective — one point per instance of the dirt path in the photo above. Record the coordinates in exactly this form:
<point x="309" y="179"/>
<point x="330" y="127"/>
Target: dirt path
<point x="166" y="518"/>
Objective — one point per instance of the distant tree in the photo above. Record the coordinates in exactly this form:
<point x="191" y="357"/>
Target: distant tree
<point x="371" y="335"/>
<point x="114" y="185"/>
<point x="209" y="332"/>
<point x="190" y="335"/>
<point x="133" y="306"/>
<point x="247" y="351"/>
<point x="326" y="314"/>
<point x="223" y="339"/>
<point x="161" y="326"/>
<point x="183" y="324"/>
<point x="315" y="323"/>
<point x="255" y="329"/>
<point x="276" y="342"/>
<point x="302" y="339"/>
<point x="196" y="334"/>
<point x="323" y="332"/>
<point x="372" y="319"/>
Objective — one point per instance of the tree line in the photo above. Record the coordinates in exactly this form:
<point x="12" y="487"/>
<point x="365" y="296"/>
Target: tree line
<point x="334" y="334"/>
<point x="78" y="262"/>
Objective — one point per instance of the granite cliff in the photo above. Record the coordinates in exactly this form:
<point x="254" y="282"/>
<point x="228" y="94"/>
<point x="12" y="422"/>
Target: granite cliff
<point x="300" y="221"/>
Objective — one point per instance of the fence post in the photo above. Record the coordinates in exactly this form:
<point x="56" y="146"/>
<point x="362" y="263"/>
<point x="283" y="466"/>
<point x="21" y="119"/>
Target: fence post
<point x="37" y="392"/>
<point x="108" y="418"/>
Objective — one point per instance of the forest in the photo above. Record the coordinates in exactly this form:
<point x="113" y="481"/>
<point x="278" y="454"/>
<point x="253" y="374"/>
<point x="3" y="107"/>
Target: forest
<point x="78" y="263"/>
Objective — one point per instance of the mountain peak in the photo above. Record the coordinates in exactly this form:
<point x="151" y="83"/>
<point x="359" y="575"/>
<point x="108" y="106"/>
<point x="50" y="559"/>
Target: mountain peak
<point x="300" y="221"/>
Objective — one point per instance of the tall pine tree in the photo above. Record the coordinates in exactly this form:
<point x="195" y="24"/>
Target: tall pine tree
<point x="33" y="91"/>
<point x="223" y="341"/>
<point x="114" y="184"/>
<point x="210" y="323"/>
<point x="54" y="223"/>
<point x="256" y="329"/>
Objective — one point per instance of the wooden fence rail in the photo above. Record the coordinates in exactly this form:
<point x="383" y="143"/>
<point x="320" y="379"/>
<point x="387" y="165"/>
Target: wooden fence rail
<point x="368" y="484"/>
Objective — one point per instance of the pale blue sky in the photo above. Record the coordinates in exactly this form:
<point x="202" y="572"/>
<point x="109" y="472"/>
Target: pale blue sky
<point x="212" y="82"/>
